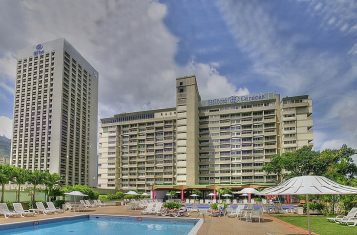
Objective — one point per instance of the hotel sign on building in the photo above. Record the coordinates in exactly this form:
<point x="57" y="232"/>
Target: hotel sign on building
<point x="238" y="99"/>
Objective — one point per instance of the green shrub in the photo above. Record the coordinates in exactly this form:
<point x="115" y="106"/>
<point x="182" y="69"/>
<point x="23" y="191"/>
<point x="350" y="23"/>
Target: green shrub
<point x="315" y="206"/>
<point x="214" y="206"/>
<point x="103" y="197"/>
<point x="172" y="205"/>
<point x="257" y="199"/>
<point x="117" y="196"/>
<point x="225" y="205"/>
<point x="59" y="203"/>
<point x="131" y="196"/>
<point x="9" y="205"/>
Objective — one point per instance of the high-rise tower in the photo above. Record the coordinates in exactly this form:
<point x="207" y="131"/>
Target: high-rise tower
<point x="55" y="113"/>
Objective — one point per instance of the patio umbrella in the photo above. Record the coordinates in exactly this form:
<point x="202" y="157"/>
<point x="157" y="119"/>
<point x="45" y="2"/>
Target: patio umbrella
<point x="131" y="193"/>
<point x="309" y="185"/>
<point x="226" y="195"/>
<point x="194" y="195"/>
<point x="249" y="191"/>
<point x="144" y="194"/>
<point x="211" y="194"/>
<point x="76" y="194"/>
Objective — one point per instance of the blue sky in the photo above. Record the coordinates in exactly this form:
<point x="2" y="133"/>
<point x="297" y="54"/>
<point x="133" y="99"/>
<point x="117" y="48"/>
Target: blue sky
<point x="292" y="47"/>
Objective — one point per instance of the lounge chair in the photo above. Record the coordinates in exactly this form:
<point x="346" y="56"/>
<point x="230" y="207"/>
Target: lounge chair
<point x="87" y="202"/>
<point x="256" y="214"/>
<point x="237" y="212"/>
<point x="157" y="208"/>
<point x="4" y="210"/>
<point x="42" y="208"/>
<point x="97" y="203"/>
<point x="149" y="209"/>
<point x="100" y="203"/>
<point x="19" y="209"/>
<point x="52" y="207"/>
<point x="342" y="219"/>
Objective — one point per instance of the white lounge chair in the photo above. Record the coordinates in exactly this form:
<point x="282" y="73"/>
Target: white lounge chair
<point x="42" y="208"/>
<point x="157" y="208"/>
<point x="97" y="203"/>
<point x="256" y="214"/>
<point x="149" y="209"/>
<point x="237" y="212"/>
<point x="100" y="203"/>
<point x="19" y="209"/>
<point x="52" y="207"/>
<point x="87" y="202"/>
<point x="4" y="210"/>
<point x="341" y="219"/>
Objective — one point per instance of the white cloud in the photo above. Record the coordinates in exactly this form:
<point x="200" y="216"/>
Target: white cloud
<point x="8" y="65"/>
<point x="126" y="41"/>
<point x="6" y="126"/>
<point x="336" y="14"/>
<point x="282" y="63"/>
<point x="212" y="84"/>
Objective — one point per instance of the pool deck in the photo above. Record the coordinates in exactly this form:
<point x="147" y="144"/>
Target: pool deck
<point x="211" y="225"/>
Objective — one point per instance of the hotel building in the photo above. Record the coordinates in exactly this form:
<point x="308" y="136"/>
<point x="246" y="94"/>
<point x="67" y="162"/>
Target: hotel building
<point x="55" y="113"/>
<point x="201" y="142"/>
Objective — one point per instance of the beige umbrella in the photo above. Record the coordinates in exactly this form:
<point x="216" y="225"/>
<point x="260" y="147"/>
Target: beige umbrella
<point x="309" y="185"/>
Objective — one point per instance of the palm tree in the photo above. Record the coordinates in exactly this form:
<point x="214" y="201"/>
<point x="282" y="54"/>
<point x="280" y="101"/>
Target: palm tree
<point x="6" y="175"/>
<point x="50" y="181"/>
<point x="171" y="193"/>
<point x="36" y="177"/>
<point x="21" y="176"/>
<point x="222" y="191"/>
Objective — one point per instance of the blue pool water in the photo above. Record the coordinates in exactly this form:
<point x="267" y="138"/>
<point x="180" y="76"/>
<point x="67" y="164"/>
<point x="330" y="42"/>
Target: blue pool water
<point x="105" y="225"/>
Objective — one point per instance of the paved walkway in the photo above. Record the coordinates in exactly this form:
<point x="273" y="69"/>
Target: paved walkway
<point x="211" y="225"/>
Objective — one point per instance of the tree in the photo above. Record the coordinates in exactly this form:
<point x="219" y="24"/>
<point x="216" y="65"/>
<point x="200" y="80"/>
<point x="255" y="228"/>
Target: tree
<point x="222" y="191"/>
<point x="21" y="176"/>
<point x="6" y="175"/>
<point x="336" y="164"/>
<point x="50" y="181"/>
<point x="36" y="178"/>
<point x="276" y="166"/>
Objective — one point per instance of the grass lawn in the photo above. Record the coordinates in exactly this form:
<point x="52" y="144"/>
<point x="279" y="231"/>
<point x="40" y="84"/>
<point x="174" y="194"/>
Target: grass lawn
<point x="320" y="225"/>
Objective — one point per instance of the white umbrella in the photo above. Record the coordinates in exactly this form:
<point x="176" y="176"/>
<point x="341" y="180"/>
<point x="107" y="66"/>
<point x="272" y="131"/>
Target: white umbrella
<point x="75" y="194"/>
<point x="194" y="195"/>
<point x="131" y="193"/>
<point x="249" y="191"/>
<point x="211" y="194"/>
<point x="309" y="185"/>
<point x="226" y="195"/>
<point x="144" y="194"/>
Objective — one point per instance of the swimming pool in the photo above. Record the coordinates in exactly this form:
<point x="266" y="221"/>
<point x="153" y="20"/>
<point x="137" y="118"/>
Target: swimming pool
<point x="104" y="225"/>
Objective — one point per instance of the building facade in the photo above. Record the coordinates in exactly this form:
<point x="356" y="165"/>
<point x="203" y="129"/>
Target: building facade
<point x="201" y="142"/>
<point x="55" y="113"/>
